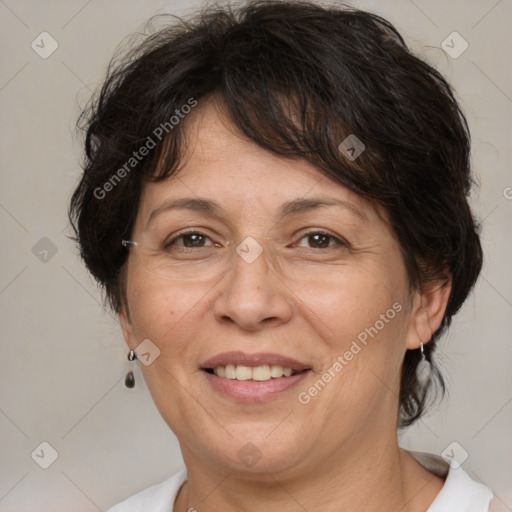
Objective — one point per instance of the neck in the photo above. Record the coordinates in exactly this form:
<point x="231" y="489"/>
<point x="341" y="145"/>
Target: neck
<point x="382" y="478"/>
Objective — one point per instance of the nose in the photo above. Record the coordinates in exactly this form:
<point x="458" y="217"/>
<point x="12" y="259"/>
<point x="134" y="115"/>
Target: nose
<point x="252" y="295"/>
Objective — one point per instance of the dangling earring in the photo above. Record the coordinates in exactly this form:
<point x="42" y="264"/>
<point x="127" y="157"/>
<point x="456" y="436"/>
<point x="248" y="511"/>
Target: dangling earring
<point x="423" y="370"/>
<point x="129" y="380"/>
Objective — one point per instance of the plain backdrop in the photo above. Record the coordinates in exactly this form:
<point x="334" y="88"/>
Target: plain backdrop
<point x="63" y="359"/>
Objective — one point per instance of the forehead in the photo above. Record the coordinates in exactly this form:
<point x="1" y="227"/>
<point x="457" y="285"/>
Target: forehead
<point x="221" y="163"/>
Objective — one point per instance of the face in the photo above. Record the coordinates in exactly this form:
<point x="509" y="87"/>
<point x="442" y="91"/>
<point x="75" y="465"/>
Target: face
<point x="322" y="284"/>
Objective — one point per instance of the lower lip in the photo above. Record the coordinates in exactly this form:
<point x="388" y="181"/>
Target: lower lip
<point x="252" y="390"/>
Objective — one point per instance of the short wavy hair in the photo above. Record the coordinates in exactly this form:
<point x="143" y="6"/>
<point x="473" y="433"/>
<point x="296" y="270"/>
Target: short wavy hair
<point x="297" y="79"/>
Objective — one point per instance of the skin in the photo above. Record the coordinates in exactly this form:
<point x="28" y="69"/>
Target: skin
<point x="339" y="452"/>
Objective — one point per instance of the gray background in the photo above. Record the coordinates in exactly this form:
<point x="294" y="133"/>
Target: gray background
<point x="63" y="359"/>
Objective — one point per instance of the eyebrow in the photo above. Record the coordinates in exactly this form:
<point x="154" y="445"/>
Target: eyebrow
<point x="188" y="203"/>
<point x="304" y="205"/>
<point x="288" y="209"/>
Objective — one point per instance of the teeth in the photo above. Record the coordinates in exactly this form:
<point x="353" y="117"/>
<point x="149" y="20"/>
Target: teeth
<point x="261" y="373"/>
<point x="243" y="372"/>
<point x="231" y="371"/>
<point x="276" y="371"/>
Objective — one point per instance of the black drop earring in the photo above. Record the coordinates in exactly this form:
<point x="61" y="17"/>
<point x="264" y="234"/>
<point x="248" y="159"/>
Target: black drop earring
<point x="129" y="380"/>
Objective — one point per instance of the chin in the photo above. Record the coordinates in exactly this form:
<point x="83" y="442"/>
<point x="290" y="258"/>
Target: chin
<point x="257" y="455"/>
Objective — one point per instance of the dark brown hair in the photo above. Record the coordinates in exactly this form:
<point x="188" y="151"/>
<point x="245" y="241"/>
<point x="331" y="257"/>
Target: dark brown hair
<point x="297" y="79"/>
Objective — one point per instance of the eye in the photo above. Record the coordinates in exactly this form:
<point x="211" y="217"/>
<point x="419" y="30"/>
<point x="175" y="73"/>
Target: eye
<point x="320" y="240"/>
<point x="189" y="239"/>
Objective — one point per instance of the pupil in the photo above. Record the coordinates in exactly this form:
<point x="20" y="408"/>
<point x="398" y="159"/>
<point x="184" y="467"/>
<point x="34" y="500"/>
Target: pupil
<point x="193" y="238"/>
<point x="319" y="240"/>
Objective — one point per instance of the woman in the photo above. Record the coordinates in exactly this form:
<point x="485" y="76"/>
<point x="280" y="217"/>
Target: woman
<point x="275" y="201"/>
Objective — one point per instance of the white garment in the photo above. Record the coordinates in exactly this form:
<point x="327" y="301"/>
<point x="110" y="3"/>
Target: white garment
<point x="460" y="492"/>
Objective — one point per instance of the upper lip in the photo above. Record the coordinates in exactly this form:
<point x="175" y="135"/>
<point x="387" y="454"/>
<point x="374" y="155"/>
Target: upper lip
<point x="258" y="359"/>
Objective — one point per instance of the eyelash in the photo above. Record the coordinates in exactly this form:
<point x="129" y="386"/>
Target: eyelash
<point x="338" y="241"/>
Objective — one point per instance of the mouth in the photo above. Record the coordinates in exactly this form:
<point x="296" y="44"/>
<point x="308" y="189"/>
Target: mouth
<point x="253" y="377"/>
<point x="260" y="373"/>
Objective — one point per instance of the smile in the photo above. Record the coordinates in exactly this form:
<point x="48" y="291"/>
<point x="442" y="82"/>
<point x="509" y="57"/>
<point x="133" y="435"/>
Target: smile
<point x="258" y="373"/>
<point x="253" y="377"/>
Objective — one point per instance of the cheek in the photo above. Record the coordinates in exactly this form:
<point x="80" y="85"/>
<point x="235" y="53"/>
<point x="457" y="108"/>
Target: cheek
<point x="354" y="302"/>
<point x="175" y="316"/>
<point x="171" y="315"/>
<point x="160" y="309"/>
<point x="361" y="317"/>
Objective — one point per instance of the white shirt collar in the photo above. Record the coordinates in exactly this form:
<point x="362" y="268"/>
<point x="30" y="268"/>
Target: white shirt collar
<point x="460" y="492"/>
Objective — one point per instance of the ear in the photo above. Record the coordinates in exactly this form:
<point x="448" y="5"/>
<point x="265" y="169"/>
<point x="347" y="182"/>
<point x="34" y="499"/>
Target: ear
<point x="126" y="326"/>
<point x="428" y="307"/>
